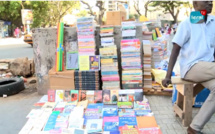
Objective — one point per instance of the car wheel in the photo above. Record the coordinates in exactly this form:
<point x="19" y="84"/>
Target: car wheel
<point x="11" y="86"/>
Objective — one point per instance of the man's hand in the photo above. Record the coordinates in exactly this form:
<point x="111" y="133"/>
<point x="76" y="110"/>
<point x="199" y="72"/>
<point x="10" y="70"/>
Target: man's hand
<point x="166" y="82"/>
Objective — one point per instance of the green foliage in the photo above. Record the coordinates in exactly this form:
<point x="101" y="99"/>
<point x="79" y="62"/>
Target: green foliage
<point x="82" y="13"/>
<point x="45" y="13"/>
<point x="172" y="7"/>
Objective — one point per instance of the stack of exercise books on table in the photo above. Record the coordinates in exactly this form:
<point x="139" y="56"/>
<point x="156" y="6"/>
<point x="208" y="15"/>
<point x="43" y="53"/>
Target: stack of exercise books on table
<point x="86" y="38"/>
<point x="109" y="59"/>
<point x="147" y="78"/>
<point x="87" y="80"/>
<point x="129" y="112"/>
<point x="130" y="57"/>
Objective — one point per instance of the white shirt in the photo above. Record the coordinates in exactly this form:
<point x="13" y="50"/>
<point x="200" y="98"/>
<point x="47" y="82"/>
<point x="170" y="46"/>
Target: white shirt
<point x="197" y="42"/>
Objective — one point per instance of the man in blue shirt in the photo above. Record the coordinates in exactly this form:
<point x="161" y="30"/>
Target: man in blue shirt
<point x="196" y="44"/>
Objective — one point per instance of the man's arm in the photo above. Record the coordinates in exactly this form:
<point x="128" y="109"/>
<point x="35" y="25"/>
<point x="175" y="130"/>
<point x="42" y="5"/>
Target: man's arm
<point x="172" y="61"/>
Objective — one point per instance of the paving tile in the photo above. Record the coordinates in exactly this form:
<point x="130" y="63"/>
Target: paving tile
<point x="171" y="132"/>
<point x="180" y="131"/>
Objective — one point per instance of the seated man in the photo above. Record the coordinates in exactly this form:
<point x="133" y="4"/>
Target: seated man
<point x="196" y="44"/>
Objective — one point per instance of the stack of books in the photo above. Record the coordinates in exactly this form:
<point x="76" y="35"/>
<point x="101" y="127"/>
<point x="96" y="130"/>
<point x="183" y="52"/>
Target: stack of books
<point x="147" y="78"/>
<point x="87" y="80"/>
<point x="86" y="38"/>
<point x="109" y="68"/>
<point x="109" y="59"/>
<point x="106" y="33"/>
<point x="130" y="57"/>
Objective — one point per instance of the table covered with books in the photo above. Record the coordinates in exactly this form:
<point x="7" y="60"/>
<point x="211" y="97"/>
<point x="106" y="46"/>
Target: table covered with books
<point x="101" y="89"/>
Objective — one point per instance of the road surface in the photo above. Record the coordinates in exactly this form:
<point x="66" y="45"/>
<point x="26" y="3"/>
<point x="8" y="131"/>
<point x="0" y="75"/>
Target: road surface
<point x="11" y="48"/>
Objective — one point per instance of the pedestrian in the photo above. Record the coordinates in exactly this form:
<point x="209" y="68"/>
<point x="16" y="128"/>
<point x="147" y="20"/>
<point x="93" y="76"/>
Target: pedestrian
<point x="17" y="32"/>
<point x="196" y="44"/>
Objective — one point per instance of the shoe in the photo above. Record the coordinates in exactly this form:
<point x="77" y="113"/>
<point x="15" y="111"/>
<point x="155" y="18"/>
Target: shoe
<point x="192" y="131"/>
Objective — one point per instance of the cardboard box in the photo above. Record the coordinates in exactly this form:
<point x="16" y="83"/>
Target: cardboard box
<point x="61" y="80"/>
<point x="115" y="17"/>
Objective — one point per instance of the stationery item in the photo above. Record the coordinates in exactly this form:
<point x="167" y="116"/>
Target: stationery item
<point x="72" y="60"/>
<point x="90" y="96"/>
<point x="51" y="95"/>
<point x="49" y="105"/>
<point x="60" y="51"/>
<point x="60" y="106"/>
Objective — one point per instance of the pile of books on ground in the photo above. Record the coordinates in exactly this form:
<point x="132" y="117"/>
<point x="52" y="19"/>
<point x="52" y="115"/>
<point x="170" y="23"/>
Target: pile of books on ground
<point x="130" y="57"/>
<point x="128" y="113"/>
<point x="86" y="38"/>
<point x="109" y="60"/>
<point x="147" y="82"/>
<point x="87" y="80"/>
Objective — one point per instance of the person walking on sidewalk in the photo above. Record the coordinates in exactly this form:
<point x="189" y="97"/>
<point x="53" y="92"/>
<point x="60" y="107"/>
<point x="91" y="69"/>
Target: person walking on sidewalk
<point x="196" y="44"/>
<point x="17" y="32"/>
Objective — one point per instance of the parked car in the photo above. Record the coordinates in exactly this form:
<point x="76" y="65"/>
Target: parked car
<point x="28" y="39"/>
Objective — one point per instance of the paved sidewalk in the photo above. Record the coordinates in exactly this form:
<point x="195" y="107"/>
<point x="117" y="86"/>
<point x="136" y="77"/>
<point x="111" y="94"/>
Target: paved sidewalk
<point x="163" y="111"/>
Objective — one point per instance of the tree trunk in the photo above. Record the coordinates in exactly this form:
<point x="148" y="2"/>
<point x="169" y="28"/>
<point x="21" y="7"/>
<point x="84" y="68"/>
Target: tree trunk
<point x="146" y="11"/>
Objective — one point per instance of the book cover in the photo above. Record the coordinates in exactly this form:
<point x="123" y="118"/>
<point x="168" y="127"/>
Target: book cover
<point x="60" y="106"/>
<point x="110" y="119"/>
<point x="109" y="110"/>
<point x="90" y="96"/>
<point x="141" y="105"/>
<point x="126" y="113"/>
<point x="114" y="96"/>
<point x="59" y="96"/>
<point x="154" y="130"/>
<point x="143" y="113"/>
<point x="34" y="113"/>
<point x="51" y="95"/>
<point x="79" y="131"/>
<point x="96" y="106"/>
<point x="83" y="104"/>
<point x="94" y="125"/>
<point x="82" y="95"/>
<point x="84" y="63"/>
<point x="76" y="123"/>
<point x="98" y="96"/>
<point x="111" y="132"/>
<point x="128" y="121"/>
<point x="92" y="114"/>
<point x="68" y="109"/>
<point x="74" y="96"/>
<point x="125" y="104"/>
<point x="72" y="60"/>
<point x="67" y="97"/>
<point x="130" y="131"/>
<point x="94" y="62"/>
<point x="78" y="112"/>
<point x="138" y="95"/>
<point x="151" y="122"/>
<point x="111" y="126"/>
<point x="106" y="96"/>
<point x="49" y="105"/>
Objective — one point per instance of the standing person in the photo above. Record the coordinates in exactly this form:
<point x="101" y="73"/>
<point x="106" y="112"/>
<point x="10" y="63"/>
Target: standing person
<point x="17" y="32"/>
<point x="196" y="44"/>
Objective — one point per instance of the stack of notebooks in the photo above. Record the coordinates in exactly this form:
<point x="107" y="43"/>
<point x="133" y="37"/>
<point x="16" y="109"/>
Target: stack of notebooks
<point x="109" y="68"/>
<point x="131" y="57"/>
<point x="86" y="38"/>
<point x="106" y="33"/>
<point x="87" y="80"/>
<point x="147" y="65"/>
